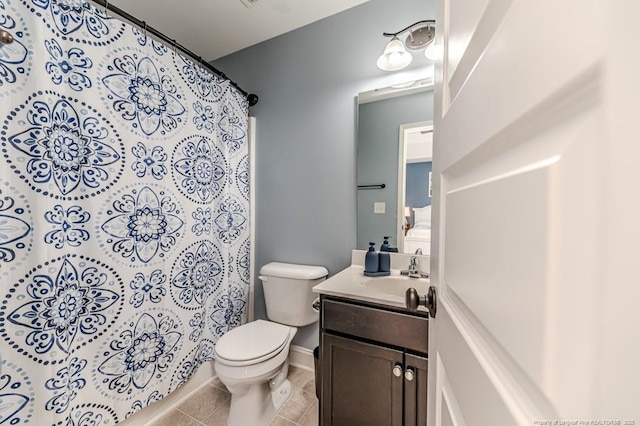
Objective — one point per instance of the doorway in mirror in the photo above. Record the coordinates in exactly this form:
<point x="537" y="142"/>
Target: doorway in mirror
<point x="415" y="163"/>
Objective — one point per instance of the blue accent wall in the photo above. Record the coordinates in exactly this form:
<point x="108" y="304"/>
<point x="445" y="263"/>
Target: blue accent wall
<point x="417" y="184"/>
<point x="417" y="192"/>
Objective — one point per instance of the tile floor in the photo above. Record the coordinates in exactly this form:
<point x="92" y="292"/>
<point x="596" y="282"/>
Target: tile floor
<point x="210" y="406"/>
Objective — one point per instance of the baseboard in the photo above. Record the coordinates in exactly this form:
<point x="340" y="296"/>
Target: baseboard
<point x="149" y="415"/>
<point x="301" y="357"/>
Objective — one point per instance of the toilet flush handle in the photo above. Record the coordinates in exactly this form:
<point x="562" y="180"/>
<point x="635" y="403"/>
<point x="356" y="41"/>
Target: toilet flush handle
<point x="263" y="278"/>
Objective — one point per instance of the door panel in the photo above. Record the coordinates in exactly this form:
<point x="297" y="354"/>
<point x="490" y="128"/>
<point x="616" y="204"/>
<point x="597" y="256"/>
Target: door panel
<point x="463" y="21"/>
<point x="473" y="394"/>
<point x="519" y="258"/>
<point x="447" y="410"/>
<point x="519" y="59"/>
<point x="446" y="419"/>
<point x="471" y="27"/>
<point x="494" y="274"/>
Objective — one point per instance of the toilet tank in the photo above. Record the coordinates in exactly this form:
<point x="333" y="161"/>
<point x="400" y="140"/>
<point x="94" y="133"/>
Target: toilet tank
<point x="287" y="292"/>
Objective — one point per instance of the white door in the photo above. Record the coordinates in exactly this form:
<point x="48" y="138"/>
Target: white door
<point x="536" y="236"/>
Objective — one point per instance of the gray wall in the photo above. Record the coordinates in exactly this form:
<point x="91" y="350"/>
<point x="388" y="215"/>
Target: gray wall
<point x="307" y="81"/>
<point x="377" y="161"/>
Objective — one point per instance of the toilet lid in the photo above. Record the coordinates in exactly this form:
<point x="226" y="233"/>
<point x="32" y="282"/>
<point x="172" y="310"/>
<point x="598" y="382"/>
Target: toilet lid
<point x="253" y="340"/>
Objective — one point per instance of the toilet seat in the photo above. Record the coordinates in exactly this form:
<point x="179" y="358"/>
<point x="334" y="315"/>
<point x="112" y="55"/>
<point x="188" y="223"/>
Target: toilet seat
<point x="252" y="343"/>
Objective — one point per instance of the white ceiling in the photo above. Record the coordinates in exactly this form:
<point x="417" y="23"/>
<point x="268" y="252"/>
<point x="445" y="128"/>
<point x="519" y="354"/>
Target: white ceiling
<point x="215" y="28"/>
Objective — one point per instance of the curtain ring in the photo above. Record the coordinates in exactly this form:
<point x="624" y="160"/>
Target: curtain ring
<point x="144" y="30"/>
<point x="106" y="8"/>
<point x="5" y="37"/>
<point x="175" y="48"/>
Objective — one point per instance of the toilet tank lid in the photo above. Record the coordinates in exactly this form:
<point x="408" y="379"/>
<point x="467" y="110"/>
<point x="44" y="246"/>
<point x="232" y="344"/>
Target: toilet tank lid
<point x="290" y="270"/>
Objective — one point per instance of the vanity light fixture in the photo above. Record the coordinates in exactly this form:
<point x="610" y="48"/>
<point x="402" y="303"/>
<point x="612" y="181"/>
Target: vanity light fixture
<point x="395" y="56"/>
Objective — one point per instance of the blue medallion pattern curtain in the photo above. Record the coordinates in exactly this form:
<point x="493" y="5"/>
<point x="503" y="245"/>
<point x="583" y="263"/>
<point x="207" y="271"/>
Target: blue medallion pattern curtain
<point x="124" y="215"/>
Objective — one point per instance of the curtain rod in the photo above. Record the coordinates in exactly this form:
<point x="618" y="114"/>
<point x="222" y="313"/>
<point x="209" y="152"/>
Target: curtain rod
<point x="251" y="97"/>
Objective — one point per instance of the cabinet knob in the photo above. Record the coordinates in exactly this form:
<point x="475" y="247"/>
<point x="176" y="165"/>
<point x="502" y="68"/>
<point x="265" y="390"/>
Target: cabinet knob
<point x="397" y="370"/>
<point x="408" y="374"/>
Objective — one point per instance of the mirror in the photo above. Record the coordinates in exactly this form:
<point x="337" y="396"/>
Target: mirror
<point x="393" y="166"/>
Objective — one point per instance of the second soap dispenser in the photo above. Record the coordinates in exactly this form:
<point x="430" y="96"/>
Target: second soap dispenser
<point x="384" y="262"/>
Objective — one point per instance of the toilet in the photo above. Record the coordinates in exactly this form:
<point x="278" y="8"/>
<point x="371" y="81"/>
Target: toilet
<point x="252" y="360"/>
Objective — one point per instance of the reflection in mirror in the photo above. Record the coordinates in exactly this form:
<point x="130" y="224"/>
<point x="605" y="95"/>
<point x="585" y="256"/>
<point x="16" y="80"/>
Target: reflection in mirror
<point x="380" y="151"/>
<point x="414" y="187"/>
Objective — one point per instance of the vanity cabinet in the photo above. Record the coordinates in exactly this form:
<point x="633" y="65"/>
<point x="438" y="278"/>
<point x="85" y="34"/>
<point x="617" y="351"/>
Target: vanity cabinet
<point x="374" y="364"/>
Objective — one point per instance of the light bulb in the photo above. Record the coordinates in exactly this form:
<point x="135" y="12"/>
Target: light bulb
<point x="394" y="57"/>
<point x="433" y="51"/>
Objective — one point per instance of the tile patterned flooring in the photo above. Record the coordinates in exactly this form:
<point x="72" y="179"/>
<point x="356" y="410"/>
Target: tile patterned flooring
<point x="210" y="406"/>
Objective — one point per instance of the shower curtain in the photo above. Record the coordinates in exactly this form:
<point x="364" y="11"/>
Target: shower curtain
<point x="124" y="215"/>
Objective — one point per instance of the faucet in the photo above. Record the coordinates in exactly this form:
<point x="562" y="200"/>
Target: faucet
<point x="414" y="267"/>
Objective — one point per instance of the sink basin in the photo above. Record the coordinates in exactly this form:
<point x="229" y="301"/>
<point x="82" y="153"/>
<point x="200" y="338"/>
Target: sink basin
<point x="395" y="285"/>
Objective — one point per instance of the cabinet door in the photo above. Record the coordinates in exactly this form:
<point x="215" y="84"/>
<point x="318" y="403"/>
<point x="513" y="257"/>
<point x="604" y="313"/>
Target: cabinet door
<point x="415" y="390"/>
<point x="359" y="385"/>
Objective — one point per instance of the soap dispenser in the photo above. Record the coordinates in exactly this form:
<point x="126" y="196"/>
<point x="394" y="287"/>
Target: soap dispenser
<point x="384" y="258"/>
<point x="371" y="262"/>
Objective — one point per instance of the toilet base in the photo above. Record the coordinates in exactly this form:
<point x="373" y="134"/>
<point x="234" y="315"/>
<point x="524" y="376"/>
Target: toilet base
<point x="258" y="404"/>
<point x="281" y="394"/>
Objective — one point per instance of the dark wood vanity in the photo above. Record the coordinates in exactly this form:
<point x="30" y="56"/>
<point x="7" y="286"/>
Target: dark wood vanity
<point x="373" y="361"/>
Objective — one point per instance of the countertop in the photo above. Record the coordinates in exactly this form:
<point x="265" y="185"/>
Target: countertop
<point x="351" y="282"/>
